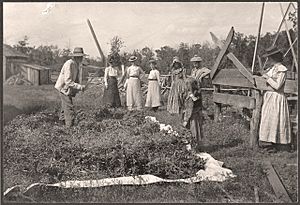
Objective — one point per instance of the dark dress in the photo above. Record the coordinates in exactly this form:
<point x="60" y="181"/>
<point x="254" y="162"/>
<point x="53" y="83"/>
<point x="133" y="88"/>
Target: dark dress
<point x="111" y="97"/>
<point x="191" y="111"/>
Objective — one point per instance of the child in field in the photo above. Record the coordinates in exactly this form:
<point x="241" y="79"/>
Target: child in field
<point x="191" y="110"/>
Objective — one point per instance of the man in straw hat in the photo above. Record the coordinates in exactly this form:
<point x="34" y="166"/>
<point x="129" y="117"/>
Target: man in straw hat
<point x="68" y="86"/>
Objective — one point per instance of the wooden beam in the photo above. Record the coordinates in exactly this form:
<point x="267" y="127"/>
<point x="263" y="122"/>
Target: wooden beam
<point x="232" y="77"/>
<point x="241" y="67"/>
<point x="217" y="105"/>
<point x="256" y="194"/>
<point x="278" y="31"/>
<point x="258" y="36"/>
<point x="291" y="75"/>
<point x="290" y="86"/>
<point x="222" y="53"/>
<point x="4" y="69"/>
<point x="276" y="183"/>
<point x="234" y="100"/>
<point x="289" y="38"/>
<point x="255" y="120"/>
<point x="97" y="43"/>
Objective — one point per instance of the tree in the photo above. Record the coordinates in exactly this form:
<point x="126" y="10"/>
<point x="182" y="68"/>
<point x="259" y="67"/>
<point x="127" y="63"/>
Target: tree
<point x="22" y="45"/>
<point x="116" y="44"/>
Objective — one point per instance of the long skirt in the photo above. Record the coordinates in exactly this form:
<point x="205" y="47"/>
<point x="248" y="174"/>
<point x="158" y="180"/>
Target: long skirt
<point x="134" y="94"/>
<point x="195" y="126"/>
<point x="111" y="95"/>
<point x="275" y="120"/>
<point x="153" y="95"/>
<point x="173" y="105"/>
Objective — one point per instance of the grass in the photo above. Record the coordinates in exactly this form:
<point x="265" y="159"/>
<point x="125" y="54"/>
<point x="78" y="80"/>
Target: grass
<point x="227" y="140"/>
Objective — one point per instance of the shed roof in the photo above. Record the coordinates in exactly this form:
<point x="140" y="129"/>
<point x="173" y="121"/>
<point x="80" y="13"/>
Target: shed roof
<point x="36" y="67"/>
<point x="9" y="51"/>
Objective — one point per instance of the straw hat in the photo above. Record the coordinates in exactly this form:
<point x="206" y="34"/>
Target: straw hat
<point x="132" y="58"/>
<point x="176" y="60"/>
<point x="271" y="51"/>
<point x="196" y="59"/>
<point x="78" y="51"/>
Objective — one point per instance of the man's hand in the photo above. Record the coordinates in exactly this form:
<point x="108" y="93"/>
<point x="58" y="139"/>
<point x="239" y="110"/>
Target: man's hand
<point x="106" y="86"/>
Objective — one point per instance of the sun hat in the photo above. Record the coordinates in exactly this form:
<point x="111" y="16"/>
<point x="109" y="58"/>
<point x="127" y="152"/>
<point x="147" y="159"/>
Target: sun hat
<point x="196" y="59"/>
<point x="176" y="60"/>
<point x="271" y="51"/>
<point x="78" y="51"/>
<point x="132" y="58"/>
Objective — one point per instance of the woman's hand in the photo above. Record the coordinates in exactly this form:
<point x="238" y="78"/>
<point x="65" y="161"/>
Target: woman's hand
<point x="265" y="76"/>
<point x="184" y="124"/>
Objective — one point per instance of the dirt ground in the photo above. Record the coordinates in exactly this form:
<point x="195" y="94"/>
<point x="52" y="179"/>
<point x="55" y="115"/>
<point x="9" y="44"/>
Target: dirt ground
<point x="33" y="139"/>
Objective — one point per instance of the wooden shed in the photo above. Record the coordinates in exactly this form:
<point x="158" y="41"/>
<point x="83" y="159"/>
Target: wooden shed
<point x="12" y="59"/>
<point x="36" y="74"/>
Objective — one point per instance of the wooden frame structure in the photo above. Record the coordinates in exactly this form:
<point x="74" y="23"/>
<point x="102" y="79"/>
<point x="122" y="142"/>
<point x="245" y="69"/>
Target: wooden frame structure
<point x="241" y="78"/>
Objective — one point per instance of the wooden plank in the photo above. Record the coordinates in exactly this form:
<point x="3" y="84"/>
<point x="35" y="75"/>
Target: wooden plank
<point x="255" y="120"/>
<point x="36" y="67"/>
<point x="241" y="67"/>
<point x="97" y="43"/>
<point x="291" y="75"/>
<point x="217" y="105"/>
<point x="4" y="69"/>
<point x="222" y="53"/>
<point x="231" y="77"/>
<point x="290" y="86"/>
<point x="276" y="183"/>
<point x="234" y="100"/>
<point x="256" y="194"/>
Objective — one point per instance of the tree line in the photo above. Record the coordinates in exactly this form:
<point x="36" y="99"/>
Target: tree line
<point x="242" y="47"/>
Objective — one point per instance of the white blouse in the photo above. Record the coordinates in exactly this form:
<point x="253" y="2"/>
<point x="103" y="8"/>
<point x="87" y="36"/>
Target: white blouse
<point x="112" y="72"/>
<point x="277" y="76"/>
<point x="154" y="74"/>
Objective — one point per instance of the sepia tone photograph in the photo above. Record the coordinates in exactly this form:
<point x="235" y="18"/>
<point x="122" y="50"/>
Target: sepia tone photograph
<point x="149" y="102"/>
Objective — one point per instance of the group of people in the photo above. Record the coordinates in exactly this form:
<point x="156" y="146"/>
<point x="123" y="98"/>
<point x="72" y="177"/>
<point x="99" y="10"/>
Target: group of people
<point x="185" y="93"/>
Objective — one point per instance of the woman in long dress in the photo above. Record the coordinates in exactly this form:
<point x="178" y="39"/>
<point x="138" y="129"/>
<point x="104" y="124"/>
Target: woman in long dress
<point x="111" y="97"/>
<point x="153" y="99"/>
<point x="134" y="74"/>
<point x="275" y="120"/>
<point x="177" y="84"/>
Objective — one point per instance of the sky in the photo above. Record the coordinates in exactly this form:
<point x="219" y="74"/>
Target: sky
<point x="152" y="24"/>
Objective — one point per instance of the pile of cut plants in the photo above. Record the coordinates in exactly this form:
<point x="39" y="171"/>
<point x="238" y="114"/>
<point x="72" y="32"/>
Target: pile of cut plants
<point x="103" y="143"/>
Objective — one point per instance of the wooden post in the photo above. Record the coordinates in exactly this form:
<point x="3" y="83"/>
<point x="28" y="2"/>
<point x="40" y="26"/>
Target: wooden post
<point x="217" y="105"/>
<point x="278" y="31"/>
<point x="97" y="43"/>
<point x="255" y="121"/>
<point x="258" y="36"/>
<point x="4" y="69"/>
<point x="289" y="38"/>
